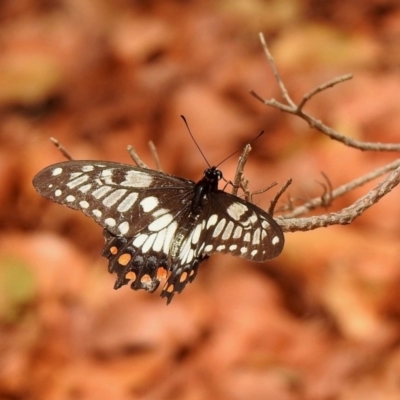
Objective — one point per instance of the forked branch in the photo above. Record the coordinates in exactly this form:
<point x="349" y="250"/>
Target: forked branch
<point x="289" y="222"/>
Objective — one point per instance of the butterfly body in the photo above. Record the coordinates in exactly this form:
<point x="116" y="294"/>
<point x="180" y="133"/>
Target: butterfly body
<point x="158" y="226"/>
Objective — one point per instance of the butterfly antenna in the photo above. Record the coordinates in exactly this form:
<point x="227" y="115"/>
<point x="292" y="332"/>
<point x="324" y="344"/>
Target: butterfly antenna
<point x="194" y="140"/>
<point x="237" y="151"/>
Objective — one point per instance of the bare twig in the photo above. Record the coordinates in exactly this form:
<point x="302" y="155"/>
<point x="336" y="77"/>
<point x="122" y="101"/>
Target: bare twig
<point x="326" y="197"/>
<point x="274" y="201"/>
<point x="341" y="190"/>
<point x="237" y="182"/>
<point x="346" y="215"/>
<point x="261" y="191"/>
<point x="323" y="87"/>
<point x="137" y="160"/>
<point x="289" y="222"/>
<point x="278" y="78"/>
<point x="61" y="148"/>
<point x="294" y="109"/>
<point x="154" y="153"/>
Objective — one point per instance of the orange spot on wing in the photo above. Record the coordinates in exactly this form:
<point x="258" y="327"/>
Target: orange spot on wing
<point x="145" y="278"/>
<point x="124" y="259"/>
<point x="170" y="288"/>
<point x="130" y="275"/>
<point x="113" y="250"/>
<point x="183" y="277"/>
<point x="161" y="273"/>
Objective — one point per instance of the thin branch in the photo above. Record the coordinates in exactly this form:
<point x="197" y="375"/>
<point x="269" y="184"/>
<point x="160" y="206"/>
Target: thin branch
<point x="324" y="86"/>
<point x="346" y="215"/>
<point x="350" y="142"/>
<point x="261" y="191"/>
<point x="274" y="201"/>
<point x="341" y="190"/>
<point x="154" y="153"/>
<point x="137" y="160"/>
<point x="278" y="78"/>
<point x="239" y="170"/>
<point x="294" y="109"/>
<point x="61" y="148"/>
<point x="326" y="197"/>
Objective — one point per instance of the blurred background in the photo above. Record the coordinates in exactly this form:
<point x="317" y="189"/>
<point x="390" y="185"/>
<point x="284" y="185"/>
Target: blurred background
<point x="322" y="321"/>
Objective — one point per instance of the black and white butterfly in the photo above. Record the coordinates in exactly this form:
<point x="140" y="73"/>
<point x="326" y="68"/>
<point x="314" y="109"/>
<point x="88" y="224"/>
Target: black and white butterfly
<point x="159" y="226"/>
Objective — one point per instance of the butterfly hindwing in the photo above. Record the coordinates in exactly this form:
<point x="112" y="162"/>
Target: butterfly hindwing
<point x="146" y="270"/>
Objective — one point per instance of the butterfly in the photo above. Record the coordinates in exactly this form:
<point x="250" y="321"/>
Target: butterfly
<point x="159" y="226"/>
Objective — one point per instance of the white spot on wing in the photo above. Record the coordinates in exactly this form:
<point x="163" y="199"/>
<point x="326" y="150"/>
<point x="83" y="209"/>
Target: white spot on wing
<point x="236" y="210"/>
<point x="87" y="168"/>
<point x="105" y="173"/>
<point x="220" y="247"/>
<point x="97" y="213"/>
<point x="123" y="227"/>
<point x="110" y="221"/>
<point x="250" y="221"/>
<point x="247" y="237"/>
<point x="78" y="181"/>
<point x="212" y="220"/>
<point x="218" y="229"/>
<point x="128" y="202"/>
<point x="196" y="234"/>
<point x="275" y="240"/>
<point x="265" y="224"/>
<point x="56" y="171"/>
<point x="137" y="179"/>
<point x="184" y="250"/>
<point x="238" y="232"/>
<point x="160" y="212"/>
<point x="256" y="236"/>
<point x="243" y="250"/>
<point x="233" y="247"/>
<point x="139" y="240"/>
<point x="228" y="231"/>
<point x="253" y="219"/>
<point x="101" y="191"/>
<point x="113" y="197"/>
<point x="208" y="248"/>
<point x="85" y="188"/>
<point x="84" y="204"/>
<point x="106" y="176"/>
<point x="254" y="252"/>
<point x="149" y="242"/>
<point x="149" y="203"/>
<point x="158" y="243"/>
<point x="58" y="193"/>
<point x="160" y="223"/>
<point x="70" y="198"/>
<point x="190" y="255"/>
<point x="74" y="175"/>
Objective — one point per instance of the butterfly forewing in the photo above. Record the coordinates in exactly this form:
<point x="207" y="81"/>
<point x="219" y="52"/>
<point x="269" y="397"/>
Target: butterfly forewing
<point x="229" y="224"/>
<point x="238" y="227"/>
<point x="124" y="199"/>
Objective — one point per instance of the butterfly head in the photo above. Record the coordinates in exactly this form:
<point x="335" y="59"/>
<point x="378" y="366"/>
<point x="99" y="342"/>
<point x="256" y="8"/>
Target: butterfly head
<point x="212" y="175"/>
